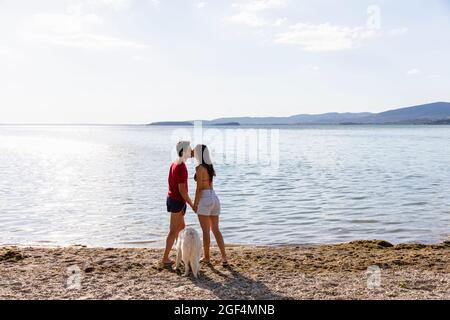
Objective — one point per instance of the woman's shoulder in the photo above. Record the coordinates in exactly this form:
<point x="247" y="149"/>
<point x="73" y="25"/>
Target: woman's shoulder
<point x="200" y="167"/>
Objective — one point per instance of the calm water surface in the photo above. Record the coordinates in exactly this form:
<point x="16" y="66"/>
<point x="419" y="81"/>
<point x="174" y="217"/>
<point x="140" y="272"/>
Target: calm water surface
<point x="106" y="186"/>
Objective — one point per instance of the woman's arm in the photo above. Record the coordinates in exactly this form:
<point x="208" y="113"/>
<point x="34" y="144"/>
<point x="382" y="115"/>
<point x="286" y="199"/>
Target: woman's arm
<point x="198" y="191"/>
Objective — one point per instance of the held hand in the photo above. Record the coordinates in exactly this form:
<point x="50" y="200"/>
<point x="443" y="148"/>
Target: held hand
<point x="195" y="208"/>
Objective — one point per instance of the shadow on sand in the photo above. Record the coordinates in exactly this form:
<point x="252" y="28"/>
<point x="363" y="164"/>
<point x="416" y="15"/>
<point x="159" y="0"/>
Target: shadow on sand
<point x="234" y="285"/>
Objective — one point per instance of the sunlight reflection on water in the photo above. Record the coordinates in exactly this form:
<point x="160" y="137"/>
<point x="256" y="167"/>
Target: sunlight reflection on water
<point x="106" y="186"/>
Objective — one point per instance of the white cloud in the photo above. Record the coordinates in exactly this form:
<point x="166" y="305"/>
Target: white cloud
<point x="113" y="4"/>
<point x="323" y="37"/>
<point x="258" y="5"/>
<point x="201" y="5"/>
<point x="397" y="31"/>
<point x="80" y="6"/>
<point x="312" y="67"/>
<point x="250" y="12"/>
<point x="63" y="23"/>
<point x="311" y="37"/>
<point x="247" y="18"/>
<point x="155" y="3"/>
<point x="75" y="28"/>
<point x="138" y="58"/>
<point x="413" y="72"/>
<point x="280" y="21"/>
<point x="82" y="40"/>
<point x="5" y="51"/>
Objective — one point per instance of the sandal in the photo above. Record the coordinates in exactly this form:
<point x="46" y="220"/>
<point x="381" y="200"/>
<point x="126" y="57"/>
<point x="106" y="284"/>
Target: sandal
<point x="168" y="264"/>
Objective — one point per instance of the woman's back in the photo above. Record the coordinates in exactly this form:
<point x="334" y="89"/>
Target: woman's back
<point x="203" y="178"/>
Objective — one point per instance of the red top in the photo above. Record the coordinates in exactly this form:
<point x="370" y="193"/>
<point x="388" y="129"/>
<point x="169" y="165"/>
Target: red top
<point x="177" y="174"/>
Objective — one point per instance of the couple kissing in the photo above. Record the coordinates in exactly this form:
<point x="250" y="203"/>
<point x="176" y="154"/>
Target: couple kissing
<point x="206" y="204"/>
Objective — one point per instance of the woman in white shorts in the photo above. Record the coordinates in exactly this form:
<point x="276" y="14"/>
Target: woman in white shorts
<point x="206" y="203"/>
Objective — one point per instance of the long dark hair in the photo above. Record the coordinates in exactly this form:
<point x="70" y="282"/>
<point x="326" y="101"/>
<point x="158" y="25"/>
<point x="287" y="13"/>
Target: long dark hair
<point x="204" y="159"/>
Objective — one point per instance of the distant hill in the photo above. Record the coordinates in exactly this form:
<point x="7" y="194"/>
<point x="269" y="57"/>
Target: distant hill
<point x="432" y="113"/>
<point x="226" y="124"/>
<point x="172" y="123"/>
<point x="421" y="113"/>
<point x="326" y="118"/>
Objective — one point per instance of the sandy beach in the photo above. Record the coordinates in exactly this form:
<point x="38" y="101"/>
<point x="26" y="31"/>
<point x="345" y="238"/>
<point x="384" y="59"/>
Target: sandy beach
<point x="342" y="271"/>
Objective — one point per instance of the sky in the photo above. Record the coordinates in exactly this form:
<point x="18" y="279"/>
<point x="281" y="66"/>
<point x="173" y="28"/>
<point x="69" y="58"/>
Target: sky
<point x="139" y="61"/>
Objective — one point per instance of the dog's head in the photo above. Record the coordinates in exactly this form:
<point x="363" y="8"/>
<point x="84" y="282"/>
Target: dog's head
<point x="189" y="232"/>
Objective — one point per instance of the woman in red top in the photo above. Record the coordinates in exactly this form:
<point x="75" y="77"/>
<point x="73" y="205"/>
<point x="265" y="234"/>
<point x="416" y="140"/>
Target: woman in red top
<point x="177" y="196"/>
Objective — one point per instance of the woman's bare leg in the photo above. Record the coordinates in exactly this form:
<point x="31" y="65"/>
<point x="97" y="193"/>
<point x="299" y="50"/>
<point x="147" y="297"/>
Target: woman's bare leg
<point x="205" y="224"/>
<point x="218" y="235"/>
<point x="176" y="225"/>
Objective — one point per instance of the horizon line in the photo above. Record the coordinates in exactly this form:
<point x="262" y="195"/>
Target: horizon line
<point x="222" y="117"/>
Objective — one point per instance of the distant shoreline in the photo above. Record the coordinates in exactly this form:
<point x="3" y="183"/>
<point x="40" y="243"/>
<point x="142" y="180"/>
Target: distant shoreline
<point x="229" y="245"/>
<point x="435" y="123"/>
<point x="430" y="113"/>
<point x="225" y="125"/>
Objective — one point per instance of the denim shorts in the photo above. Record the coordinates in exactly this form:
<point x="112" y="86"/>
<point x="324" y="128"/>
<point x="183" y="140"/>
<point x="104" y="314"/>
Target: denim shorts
<point x="175" y="206"/>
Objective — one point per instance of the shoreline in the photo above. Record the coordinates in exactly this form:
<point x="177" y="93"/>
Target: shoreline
<point x="443" y="240"/>
<point x="366" y="269"/>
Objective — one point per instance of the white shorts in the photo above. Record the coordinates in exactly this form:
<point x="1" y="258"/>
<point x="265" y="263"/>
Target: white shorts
<point x="209" y="204"/>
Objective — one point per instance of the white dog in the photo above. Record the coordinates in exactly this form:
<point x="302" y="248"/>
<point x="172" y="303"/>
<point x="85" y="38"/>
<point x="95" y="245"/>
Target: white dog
<point x="189" y="248"/>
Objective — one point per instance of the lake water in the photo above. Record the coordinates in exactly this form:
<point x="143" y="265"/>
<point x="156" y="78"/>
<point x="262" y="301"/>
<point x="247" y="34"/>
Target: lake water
<point x="106" y="185"/>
